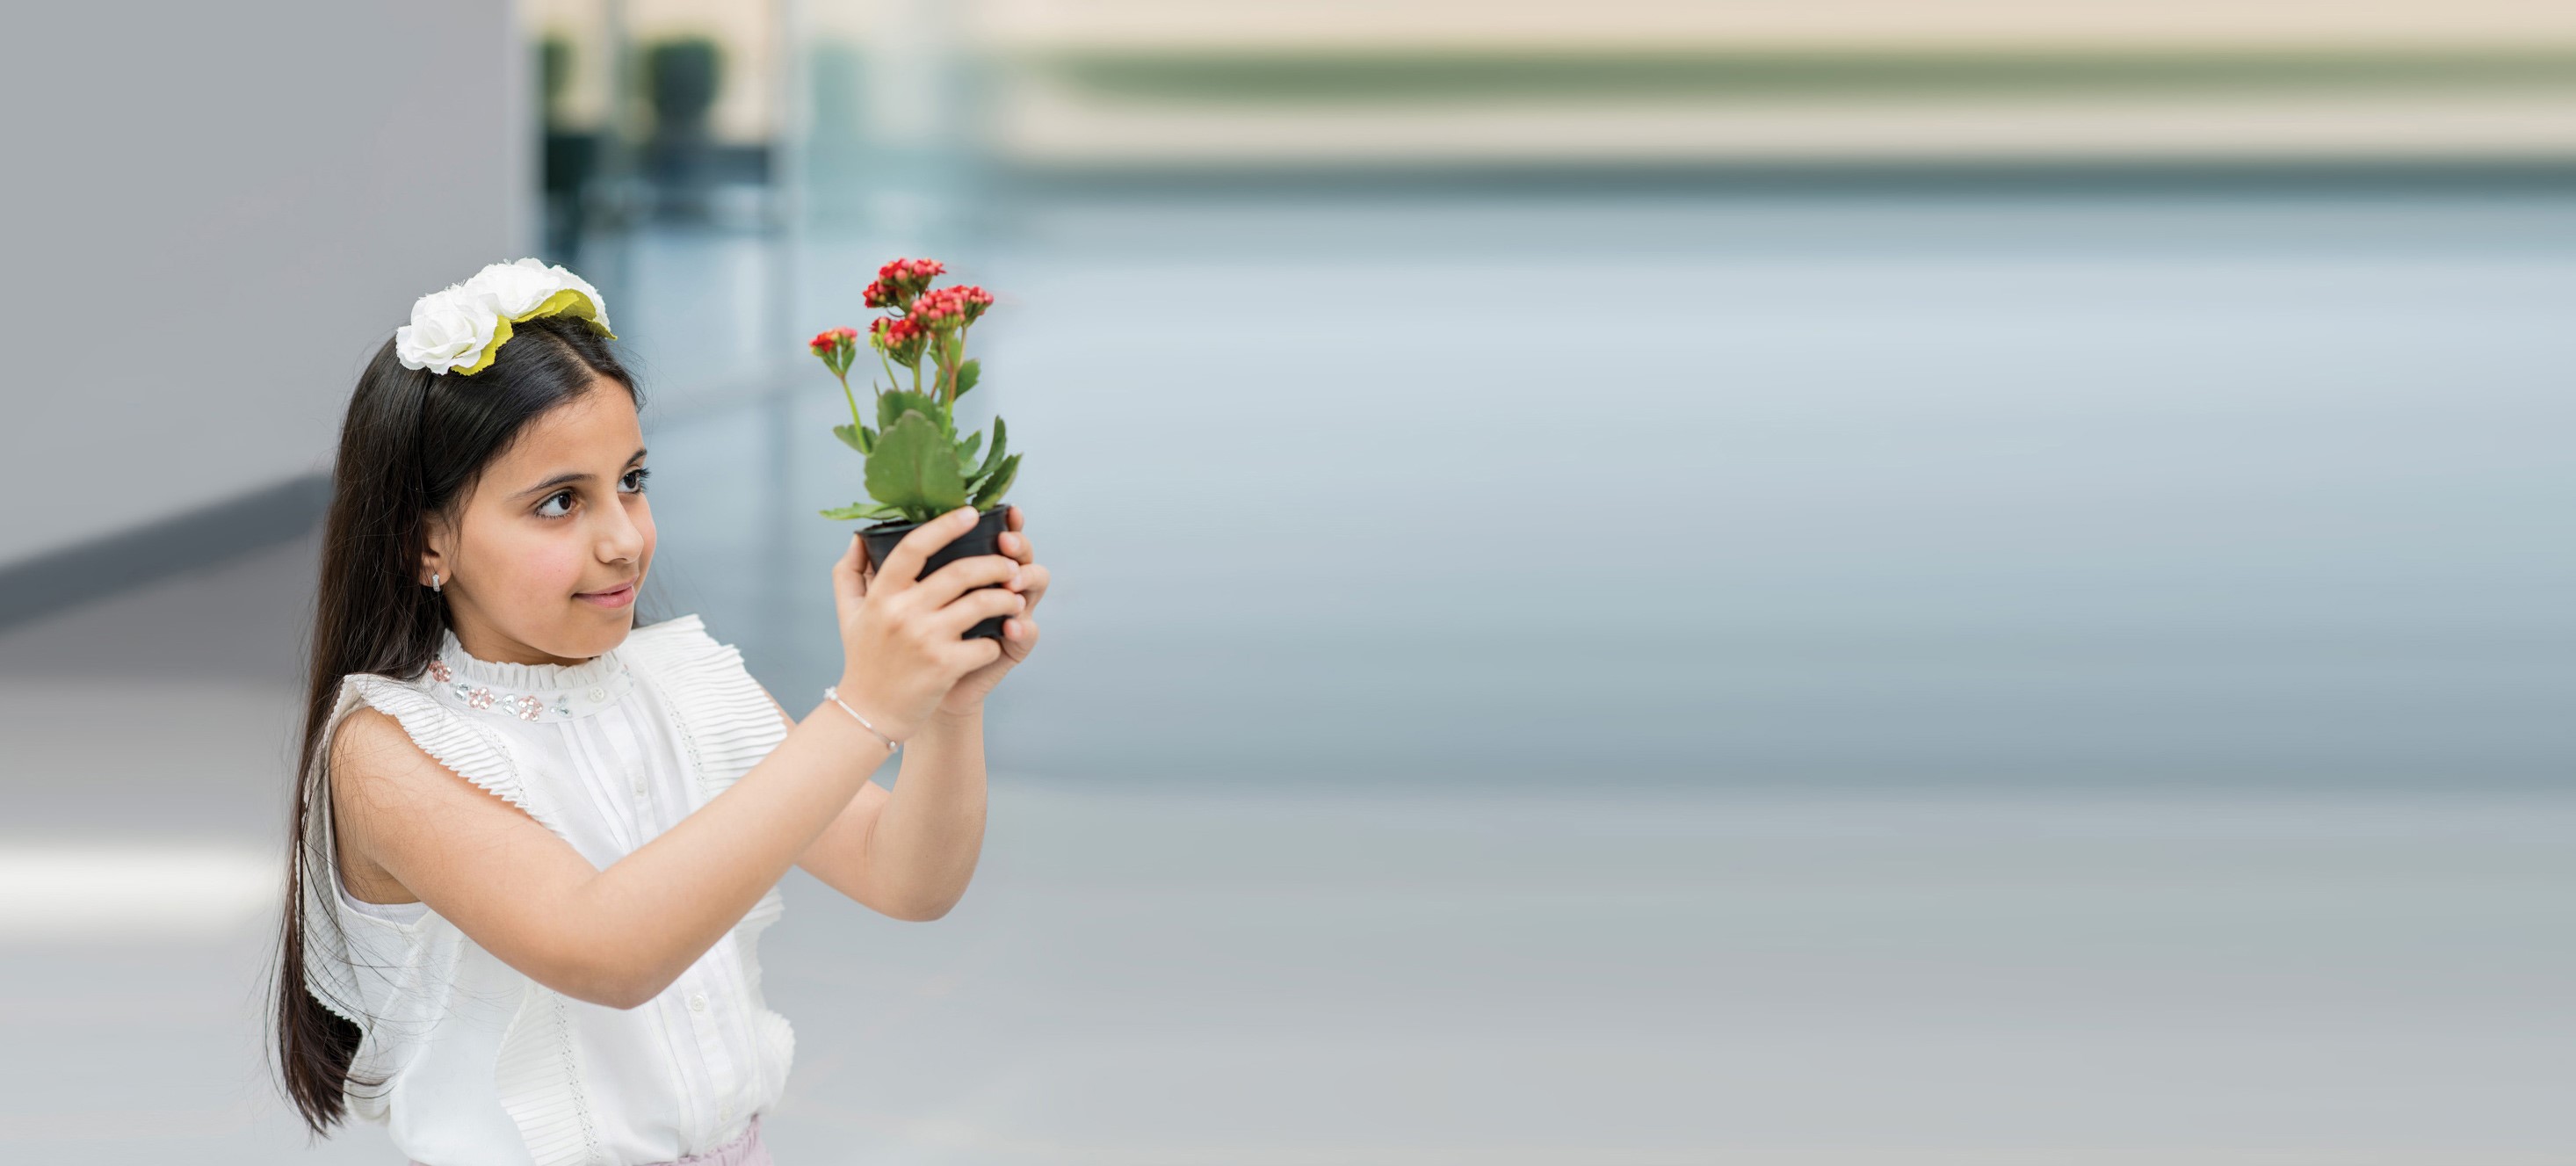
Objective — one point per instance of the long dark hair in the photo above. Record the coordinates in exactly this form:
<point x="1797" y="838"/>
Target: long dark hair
<point x="411" y="447"/>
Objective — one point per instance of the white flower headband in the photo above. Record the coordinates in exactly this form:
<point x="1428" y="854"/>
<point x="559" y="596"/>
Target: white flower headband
<point x="462" y="328"/>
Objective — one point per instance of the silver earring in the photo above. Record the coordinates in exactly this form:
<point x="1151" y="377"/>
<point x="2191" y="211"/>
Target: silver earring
<point x="433" y="582"/>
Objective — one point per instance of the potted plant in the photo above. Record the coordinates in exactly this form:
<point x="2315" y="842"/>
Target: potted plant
<point x="918" y="468"/>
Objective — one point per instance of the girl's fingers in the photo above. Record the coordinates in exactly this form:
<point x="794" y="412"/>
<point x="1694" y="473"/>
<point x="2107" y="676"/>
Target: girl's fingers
<point x="848" y="586"/>
<point x="943" y="586"/>
<point x="1033" y="582"/>
<point x="903" y="564"/>
<point x="975" y="607"/>
<point x="1012" y="542"/>
<point x="970" y="655"/>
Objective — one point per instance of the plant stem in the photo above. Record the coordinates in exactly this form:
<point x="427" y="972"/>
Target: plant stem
<point x="852" y="398"/>
<point x="892" y="381"/>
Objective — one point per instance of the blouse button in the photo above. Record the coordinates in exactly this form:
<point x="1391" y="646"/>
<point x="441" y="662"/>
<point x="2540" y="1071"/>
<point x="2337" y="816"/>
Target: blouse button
<point x="697" y="1001"/>
<point x="599" y="694"/>
<point x="724" y="1112"/>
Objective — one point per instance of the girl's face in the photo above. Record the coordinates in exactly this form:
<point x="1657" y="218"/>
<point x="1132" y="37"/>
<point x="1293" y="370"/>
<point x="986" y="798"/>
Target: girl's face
<point x="544" y="559"/>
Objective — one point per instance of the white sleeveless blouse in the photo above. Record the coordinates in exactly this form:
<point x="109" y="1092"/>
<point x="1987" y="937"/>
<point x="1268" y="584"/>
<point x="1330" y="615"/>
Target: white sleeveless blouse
<point x="484" y="1065"/>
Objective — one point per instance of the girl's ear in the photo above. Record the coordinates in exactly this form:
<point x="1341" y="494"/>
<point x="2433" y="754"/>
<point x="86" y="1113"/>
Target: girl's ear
<point x="433" y="556"/>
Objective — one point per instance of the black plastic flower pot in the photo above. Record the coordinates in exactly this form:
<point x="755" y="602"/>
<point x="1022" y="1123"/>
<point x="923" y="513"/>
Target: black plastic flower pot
<point x="984" y="539"/>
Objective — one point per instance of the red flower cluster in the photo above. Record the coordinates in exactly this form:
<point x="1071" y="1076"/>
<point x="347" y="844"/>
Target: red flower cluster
<point x="900" y="339"/>
<point x="897" y="283"/>
<point x="838" y="347"/>
<point x="950" y="307"/>
<point x="927" y="322"/>
<point x="830" y="340"/>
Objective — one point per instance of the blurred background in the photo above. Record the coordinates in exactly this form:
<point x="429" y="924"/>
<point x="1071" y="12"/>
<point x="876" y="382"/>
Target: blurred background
<point x="1639" y="582"/>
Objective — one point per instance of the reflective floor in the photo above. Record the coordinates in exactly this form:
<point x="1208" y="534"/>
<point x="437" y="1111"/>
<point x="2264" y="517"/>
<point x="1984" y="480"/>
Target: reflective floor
<point x="1976" y="681"/>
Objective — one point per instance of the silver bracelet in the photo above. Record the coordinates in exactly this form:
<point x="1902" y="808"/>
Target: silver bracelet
<point x="831" y="693"/>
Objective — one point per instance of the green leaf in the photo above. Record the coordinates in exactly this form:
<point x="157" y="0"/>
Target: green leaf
<point x="914" y="467"/>
<point x="993" y="458"/>
<point x="892" y="404"/>
<point x="857" y="510"/>
<point x="858" y="437"/>
<point x="967" y="374"/>
<point x="966" y="451"/>
<point x="997" y="485"/>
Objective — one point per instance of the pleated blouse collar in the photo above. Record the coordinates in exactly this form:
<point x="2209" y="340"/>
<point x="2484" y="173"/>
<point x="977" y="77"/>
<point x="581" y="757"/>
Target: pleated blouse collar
<point x="526" y="692"/>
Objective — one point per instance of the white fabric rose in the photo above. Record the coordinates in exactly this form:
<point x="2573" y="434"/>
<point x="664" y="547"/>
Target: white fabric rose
<point x="448" y="328"/>
<point x="517" y="289"/>
<point x="456" y="328"/>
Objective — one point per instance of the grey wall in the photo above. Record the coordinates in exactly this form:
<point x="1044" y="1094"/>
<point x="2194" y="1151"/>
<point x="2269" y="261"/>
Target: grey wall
<point x="211" y="216"/>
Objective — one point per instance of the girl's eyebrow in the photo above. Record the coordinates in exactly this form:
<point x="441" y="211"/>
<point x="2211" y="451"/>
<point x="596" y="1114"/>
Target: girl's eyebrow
<point x="568" y="478"/>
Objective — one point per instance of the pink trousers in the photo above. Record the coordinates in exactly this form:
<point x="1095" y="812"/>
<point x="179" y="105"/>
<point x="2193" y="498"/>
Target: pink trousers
<point x="745" y="1150"/>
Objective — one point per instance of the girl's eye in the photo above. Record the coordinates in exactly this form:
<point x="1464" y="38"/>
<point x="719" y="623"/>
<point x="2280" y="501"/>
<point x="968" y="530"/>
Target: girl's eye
<point x="548" y="509"/>
<point x="634" y="479"/>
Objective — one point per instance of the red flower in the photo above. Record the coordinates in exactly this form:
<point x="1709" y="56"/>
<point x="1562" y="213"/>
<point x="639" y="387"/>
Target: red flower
<point x="898" y="282"/>
<point x="899" y="339"/>
<point x="830" y="340"/>
<point x="902" y="270"/>
<point x="836" y="346"/>
<point x="949" y="307"/>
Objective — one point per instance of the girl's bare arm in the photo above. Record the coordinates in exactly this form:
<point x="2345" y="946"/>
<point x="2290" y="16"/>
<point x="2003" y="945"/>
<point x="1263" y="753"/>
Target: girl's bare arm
<point x="909" y="852"/>
<point x="616" y="936"/>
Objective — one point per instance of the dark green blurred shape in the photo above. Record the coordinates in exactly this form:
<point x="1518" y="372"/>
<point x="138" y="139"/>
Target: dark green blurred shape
<point x="681" y="77"/>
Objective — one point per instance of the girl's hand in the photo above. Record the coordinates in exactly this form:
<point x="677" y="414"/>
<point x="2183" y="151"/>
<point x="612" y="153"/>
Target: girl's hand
<point x="901" y="649"/>
<point x="1019" y="633"/>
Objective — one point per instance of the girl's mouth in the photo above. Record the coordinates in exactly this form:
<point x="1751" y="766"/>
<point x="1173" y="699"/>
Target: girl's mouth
<point x="619" y="596"/>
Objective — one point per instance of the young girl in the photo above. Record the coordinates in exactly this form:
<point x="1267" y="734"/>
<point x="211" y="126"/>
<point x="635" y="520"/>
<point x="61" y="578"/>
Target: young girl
<point x="537" y="843"/>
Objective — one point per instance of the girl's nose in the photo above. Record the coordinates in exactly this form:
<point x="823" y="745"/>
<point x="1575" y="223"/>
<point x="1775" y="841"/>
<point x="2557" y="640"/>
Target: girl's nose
<point x="622" y="537"/>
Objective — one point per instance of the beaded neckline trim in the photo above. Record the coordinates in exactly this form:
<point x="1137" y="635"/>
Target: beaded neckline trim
<point x="539" y="704"/>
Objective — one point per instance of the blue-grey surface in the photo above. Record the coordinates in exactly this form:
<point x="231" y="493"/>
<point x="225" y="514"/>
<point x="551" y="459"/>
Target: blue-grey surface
<point x="2071" y="493"/>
